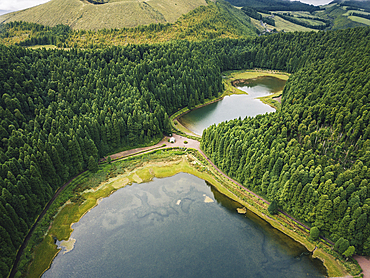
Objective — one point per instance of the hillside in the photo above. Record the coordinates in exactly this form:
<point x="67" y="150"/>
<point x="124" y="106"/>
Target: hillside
<point x="359" y="4"/>
<point x="216" y="20"/>
<point x="81" y="14"/>
<point x="275" y="5"/>
<point x="270" y="15"/>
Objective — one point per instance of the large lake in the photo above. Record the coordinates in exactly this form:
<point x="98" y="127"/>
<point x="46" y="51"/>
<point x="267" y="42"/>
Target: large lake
<point x="179" y="227"/>
<point x="234" y="106"/>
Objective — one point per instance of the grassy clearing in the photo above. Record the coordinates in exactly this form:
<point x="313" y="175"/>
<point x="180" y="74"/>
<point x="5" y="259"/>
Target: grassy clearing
<point x="349" y="12"/>
<point x="282" y="24"/>
<point x="311" y="21"/>
<point x="250" y="74"/>
<point x="256" y="23"/>
<point x="334" y="268"/>
<point x="115" y="14"/>
<point x="230" y="76"/>
<point x="270" y="100"/>
<point x="197" y="20"/>
<point x="43" y="46"/>
<point x="360" y="19"/>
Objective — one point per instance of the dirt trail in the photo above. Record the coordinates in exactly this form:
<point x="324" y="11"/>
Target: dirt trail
<point x="364" y="262"/>
<point x="178" y="143"/>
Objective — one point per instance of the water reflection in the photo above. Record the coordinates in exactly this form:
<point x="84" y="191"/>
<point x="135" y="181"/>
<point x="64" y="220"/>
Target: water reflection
<point x="234" y="106"/>
<point x="144" y="231"/>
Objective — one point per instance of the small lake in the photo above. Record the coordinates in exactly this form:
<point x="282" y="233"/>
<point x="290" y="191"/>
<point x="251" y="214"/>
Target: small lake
<point x="179" y="226"/>
<point x="234" y="106"/>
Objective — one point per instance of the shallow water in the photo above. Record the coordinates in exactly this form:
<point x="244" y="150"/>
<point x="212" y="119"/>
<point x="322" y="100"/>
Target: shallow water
<point x="234" y="106"/>
<point x="165" y="228"/>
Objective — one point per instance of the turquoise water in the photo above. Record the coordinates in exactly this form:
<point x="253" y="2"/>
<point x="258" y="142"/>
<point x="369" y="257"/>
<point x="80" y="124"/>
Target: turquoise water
<point x="164" y="228"/>
<point x="234" y="106"/>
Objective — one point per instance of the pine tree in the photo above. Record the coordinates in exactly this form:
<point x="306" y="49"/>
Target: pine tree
<point x="92" y="165"/>
<point x="273" y="207"/>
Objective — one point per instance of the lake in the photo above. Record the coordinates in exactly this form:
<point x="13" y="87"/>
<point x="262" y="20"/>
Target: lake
<point x="179" y="226"/>
<point x="234" y="106"/>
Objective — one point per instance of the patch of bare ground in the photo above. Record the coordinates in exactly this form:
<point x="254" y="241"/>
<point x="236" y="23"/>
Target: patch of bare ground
<point x="239" y="82"/>
<point x="364" y="262"/>
<point x="179" y="142"/>
<point x="277" y="99"/>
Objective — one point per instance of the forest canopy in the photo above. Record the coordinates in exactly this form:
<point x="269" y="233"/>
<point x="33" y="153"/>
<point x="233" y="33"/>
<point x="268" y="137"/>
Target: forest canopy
<point x="312" y="156"/>
<point x="62" y="110"/>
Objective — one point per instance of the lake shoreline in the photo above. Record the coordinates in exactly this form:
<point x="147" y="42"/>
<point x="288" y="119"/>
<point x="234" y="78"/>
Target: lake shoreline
<point x="178" y="118"/>
<point x="197" y="166"/>
<point x="230" y="80"/>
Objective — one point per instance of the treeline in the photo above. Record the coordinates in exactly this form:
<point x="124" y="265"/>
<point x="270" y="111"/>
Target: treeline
<point x="296" y="20"/>
<point x="38" y="34"/>
<point x="367" y="16"/>
<point x="354" y="5"/>
<point x="98" y="1"/>
<point x="265" y="6"/>
<point x="60" y="111"/>
<point x="216" y="20"/>
<point x="254" y="14"/>
<point x="313" y="155"/>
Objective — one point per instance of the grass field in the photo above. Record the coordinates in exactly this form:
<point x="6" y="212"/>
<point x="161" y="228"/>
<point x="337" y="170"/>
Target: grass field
<point x="115" y="14"/>
<point x="282" y="24"/>
<point x="43" y="46"/>
<point x="360" y="19"/>
<point x="349" y="12"/>
<point x="311" y="21"/>
<point x="215" y="20"/>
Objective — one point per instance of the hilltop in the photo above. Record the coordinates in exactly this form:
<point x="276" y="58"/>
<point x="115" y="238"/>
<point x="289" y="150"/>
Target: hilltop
<point x="216" y="20"/>
<point x="93" y="15"/>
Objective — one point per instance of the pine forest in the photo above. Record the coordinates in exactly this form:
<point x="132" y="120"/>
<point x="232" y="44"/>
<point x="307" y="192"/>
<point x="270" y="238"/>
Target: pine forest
<point x="63" y="110"/>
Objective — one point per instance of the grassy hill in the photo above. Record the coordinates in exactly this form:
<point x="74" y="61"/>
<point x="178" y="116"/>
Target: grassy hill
<point x="357" y="4"/>
<point x="290" y="18"/>
<point x="216" y="20"/>
<point x="275" y="5"/>
<point x="81" y="14"/>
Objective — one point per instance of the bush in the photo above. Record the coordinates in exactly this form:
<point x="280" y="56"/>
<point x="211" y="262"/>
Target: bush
<point x="349" y="252"/>
<point x="314" y="233"/>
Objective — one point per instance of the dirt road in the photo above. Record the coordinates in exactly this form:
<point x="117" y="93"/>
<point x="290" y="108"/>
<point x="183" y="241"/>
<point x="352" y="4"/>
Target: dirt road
<point x="364" y="262"/>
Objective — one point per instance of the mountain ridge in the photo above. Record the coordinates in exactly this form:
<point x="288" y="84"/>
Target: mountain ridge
<point x="114" y="14"/>
<point x="216" y="20"/>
